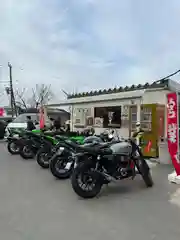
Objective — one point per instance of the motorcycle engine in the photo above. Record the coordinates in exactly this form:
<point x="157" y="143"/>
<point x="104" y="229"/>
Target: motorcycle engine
<point x="123" y="169"/>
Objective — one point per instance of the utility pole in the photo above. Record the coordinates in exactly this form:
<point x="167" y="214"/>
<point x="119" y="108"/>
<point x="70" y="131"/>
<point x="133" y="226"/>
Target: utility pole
<point x="11" y="91"/>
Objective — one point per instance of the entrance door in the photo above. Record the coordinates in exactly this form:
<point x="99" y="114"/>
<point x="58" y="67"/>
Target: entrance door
<point x="132" y="118"/>
<point x="150" y="126"/>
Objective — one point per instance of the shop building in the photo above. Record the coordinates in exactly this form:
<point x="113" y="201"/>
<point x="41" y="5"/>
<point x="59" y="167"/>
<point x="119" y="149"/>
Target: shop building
<point x="120" y="108"/>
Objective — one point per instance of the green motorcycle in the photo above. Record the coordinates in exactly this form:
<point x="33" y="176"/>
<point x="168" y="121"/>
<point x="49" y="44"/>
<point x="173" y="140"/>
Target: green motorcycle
<point x="51" y="139"/>
<point x="63" y="135"/>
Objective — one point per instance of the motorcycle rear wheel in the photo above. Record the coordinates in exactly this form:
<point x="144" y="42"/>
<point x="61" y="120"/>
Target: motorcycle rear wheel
<point x="84" y="169"/>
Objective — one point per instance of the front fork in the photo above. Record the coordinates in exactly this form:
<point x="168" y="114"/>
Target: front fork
<point x="141" y="163"/>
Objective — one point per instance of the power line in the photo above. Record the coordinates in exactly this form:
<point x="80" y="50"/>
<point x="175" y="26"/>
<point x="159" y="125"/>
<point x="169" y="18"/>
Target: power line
<point x="170" y="75"/>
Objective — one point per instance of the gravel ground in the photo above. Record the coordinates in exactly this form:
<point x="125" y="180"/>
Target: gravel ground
<point x="36" y="206"/>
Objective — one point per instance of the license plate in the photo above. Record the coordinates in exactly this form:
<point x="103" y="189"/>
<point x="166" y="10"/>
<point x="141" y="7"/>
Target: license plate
<point x="68" y="165"/>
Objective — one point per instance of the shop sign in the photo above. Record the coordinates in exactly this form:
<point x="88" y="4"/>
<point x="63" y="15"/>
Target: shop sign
<point x="173" y="129"/>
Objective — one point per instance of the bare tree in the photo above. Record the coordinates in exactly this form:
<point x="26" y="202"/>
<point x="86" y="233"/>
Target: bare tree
<point x="20" y="98"/>
<point x="41" y="94"/>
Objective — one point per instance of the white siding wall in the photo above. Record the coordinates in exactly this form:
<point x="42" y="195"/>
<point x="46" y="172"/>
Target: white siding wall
<point x="155" y="97"/>
<point x="149" y="97"/>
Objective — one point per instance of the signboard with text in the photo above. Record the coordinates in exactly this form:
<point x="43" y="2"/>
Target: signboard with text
<point x="173" y="129"/>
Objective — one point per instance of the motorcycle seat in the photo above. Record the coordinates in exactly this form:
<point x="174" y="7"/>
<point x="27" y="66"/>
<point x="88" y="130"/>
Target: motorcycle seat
<point x="49" y="133"/>
<point x="12" y="138"/>
<point x="104" y="144"/>
<point x="95" y="149"/>
<point x="32" y="134"/>
<point x="59" y="137"/>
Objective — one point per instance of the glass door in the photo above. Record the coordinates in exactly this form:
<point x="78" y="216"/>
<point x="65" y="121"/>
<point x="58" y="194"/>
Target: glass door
<point x="146" y="118"/>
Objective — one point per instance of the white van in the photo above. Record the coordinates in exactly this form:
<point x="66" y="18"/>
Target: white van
<point x="20" y="122"/>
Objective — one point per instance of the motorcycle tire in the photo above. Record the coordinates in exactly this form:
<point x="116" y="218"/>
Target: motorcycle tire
<point x="40" y="158"/>
<point x="146" y="174"/>
<point x="56" y="171"/>
<point x="26" y="155"/>
<point x="148" y="179"/>
<point x="82" y="168"/>
<point x="11" y="149"/>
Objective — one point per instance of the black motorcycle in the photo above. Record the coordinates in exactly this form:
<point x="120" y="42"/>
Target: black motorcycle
<point x="48" y="149"/>
<point x="13" y="145"/>
<point x="15" y="141"/>
<point x="31" y="144"/>
<point x="102" y="164"/>
<point x="62" y="161"/>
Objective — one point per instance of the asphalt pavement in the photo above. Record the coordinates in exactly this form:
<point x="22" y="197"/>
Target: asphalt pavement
<point x="36" y="206"/>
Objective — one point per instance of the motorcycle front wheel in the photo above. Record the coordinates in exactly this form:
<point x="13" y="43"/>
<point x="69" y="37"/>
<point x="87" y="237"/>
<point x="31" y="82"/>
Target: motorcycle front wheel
<point x="13" y="148"/>
<point x="43" y="156"/>
<point x="145" y="173"/>
<point x="61" y="167"/>
<point x="26" y="152"/>
<point x="85" y="181"/>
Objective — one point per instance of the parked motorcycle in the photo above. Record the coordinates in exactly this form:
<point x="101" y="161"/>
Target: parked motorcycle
<point x="62" y="162"/>
<point x="15" y="142"/>
<point x="13" y="145"/>
<point x="31" y="144"/>
<point x="46" y="153"/>
<point x="36" y="141"/>
<point x="102" y="164"/>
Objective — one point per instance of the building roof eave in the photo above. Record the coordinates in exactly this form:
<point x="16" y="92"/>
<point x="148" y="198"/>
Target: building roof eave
<point x="156" y="84"/>
<point x="101" y="98"/>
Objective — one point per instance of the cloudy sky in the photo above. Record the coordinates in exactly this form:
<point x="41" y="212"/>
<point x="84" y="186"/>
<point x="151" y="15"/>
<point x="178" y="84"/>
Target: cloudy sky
<point x="79" y="45"/>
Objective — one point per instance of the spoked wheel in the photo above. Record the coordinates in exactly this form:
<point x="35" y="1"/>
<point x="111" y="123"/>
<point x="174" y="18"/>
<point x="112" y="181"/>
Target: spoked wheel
<point x="85" y="181"/>
<point x="13" y="148"/>
<point x="26" y="152"/>
<point x="145" y="173"/>
<point x="61" y="166"/>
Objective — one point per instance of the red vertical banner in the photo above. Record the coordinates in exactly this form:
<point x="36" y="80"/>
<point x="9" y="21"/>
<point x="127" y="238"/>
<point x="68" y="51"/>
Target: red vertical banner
<point x="173" y="129"/>
<point x="41" y="119"/>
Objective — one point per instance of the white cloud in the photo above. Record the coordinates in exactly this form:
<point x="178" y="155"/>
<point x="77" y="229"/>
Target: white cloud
<point x="87" y="44"/>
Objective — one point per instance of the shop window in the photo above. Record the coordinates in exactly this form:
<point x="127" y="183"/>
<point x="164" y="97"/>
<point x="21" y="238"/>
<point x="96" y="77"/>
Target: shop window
<point x="125" y="116"/>
<point x="146" y="118"/>
<point x="133" y="117"/>
<point x="80" y="117"/>
<point x="111" y="116"/>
